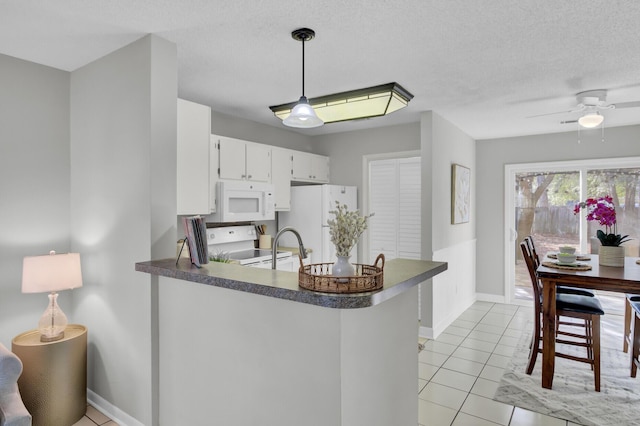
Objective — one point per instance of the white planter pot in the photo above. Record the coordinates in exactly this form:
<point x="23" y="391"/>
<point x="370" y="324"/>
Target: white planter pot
<point x="611" y="256"/>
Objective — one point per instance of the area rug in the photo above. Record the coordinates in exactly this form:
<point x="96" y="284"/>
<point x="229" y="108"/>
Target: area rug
<point x="573" y="396"/>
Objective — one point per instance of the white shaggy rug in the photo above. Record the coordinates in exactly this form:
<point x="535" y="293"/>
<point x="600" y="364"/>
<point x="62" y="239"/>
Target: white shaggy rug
<point x="573" y="396"/>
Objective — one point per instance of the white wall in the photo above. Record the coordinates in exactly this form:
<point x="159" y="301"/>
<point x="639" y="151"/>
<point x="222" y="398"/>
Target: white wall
<point x="450" y="293"/>
<point x="123" y="207"/>
<point x="493" y="154"/>
<point x="34" y="184"/>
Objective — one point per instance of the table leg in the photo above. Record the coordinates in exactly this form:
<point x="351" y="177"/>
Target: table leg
<point x="548" y="332"/>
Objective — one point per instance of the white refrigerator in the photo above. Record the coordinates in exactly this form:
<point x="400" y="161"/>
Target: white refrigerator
<point x="310" y="207"/>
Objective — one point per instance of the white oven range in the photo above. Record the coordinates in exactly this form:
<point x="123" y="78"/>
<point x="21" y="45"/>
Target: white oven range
<point x="238" y="243"/>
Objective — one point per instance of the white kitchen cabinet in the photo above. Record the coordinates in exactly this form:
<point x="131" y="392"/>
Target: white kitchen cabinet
<point x="213" y="171"/>
<point x="281" y="177"/>
<point x="192" y="159"/>
<point x="242" y="160"/>
<point x="309" y="167"/>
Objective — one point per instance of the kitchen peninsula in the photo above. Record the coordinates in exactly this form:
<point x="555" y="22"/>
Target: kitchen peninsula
<point x="240" y="346"/>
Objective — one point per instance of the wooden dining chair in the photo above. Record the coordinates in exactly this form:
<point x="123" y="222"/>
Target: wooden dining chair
<point x="635" y="340"/>
<point x="561" y="288"/>
<point x="628" y="320"/>
<point x="568" y="306"/>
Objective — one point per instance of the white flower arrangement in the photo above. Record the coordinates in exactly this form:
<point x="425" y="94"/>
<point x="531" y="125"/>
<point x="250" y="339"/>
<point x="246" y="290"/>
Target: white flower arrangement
<point x="346" y="228"/>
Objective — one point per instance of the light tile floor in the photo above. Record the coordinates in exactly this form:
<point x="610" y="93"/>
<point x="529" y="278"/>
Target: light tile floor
<point x="459" y="372"/>
<point x="94" y="417"/>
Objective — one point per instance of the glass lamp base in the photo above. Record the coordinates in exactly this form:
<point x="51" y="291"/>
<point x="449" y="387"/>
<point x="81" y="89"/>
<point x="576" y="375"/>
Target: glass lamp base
<point x="53" y="321"/>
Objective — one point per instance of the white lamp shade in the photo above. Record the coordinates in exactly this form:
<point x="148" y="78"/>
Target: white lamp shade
<point x="50" y="273"/>
<point x="303" y="116"/>
<point x="591" y="120"/>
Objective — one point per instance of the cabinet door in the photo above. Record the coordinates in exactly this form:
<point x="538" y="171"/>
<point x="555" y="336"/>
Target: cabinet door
<point x="281" y="177"/>
<point x="310" y="167"/>
<point x="301" y="166"/>
<point x="258" y="162"/>
<point x="192" y="158"/>
<point x="232" y="158"/>
<point x="320" y="168"/>
<point x="213" y="171"/>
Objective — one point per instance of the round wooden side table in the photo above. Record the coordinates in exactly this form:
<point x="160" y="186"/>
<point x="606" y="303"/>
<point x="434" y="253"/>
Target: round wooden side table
<point x="53" y="384"/>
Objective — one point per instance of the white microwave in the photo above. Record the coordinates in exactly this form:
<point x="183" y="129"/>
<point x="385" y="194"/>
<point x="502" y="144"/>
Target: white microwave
<point x="242" y="201"/>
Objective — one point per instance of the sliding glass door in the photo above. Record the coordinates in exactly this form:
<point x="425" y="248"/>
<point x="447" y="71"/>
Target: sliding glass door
<point x="543" y="210"/>
<point x="539" y="201"/>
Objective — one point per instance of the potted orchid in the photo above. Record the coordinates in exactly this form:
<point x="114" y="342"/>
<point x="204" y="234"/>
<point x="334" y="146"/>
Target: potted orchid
<point x="345" y="230"/>
<point x="604" y="211"/>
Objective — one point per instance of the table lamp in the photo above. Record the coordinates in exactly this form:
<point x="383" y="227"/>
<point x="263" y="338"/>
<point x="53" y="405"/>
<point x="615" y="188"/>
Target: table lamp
<point x="51" y="273"/>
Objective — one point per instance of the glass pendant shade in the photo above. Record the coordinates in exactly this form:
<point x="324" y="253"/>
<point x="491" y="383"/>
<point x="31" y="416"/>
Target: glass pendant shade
<point x="302" y="116"/>
<point x="591" y="120"/>
<point x="51" y="273"/>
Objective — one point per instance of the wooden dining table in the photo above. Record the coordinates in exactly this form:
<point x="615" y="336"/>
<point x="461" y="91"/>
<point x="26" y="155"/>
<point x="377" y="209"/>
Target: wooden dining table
<point x="608" y="278"/>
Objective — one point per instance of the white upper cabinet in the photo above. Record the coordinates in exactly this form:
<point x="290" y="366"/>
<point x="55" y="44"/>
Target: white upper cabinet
<point x="310" y="167"/>
<point x="281" y="177"/>
<point x="213" y="171"/>
<point x="192" y="159"/>
<point x="258" y="162"/>
<point x="242" y="160"/>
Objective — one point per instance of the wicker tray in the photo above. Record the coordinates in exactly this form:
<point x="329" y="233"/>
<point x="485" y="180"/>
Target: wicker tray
<point x="317" y="277"/>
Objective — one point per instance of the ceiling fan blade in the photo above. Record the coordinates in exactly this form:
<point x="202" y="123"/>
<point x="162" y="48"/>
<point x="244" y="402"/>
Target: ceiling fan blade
<point x="552" y="113"/>
<point x="633" y="104"/>
<point x="568" y="121"/>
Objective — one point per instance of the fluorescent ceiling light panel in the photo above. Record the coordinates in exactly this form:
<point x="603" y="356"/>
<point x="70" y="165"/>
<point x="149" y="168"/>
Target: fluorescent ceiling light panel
<point x="355" y="104"/>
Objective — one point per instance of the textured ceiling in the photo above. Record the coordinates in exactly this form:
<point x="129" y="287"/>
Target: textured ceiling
<point x="485" y="65"/>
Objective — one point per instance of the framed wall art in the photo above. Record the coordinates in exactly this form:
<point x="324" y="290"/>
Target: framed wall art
<point x="460" y="194"/>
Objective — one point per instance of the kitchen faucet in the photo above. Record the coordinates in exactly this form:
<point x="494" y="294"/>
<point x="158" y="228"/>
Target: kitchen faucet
<point x="274" y="248"/>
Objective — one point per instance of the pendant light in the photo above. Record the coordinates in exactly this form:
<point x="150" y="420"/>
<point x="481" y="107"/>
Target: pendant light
<point x="359" y="104"/>
<point x="303" y="115"/>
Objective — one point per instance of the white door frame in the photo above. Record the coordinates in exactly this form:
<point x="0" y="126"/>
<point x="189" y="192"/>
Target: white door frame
<point x="510" y="171"/>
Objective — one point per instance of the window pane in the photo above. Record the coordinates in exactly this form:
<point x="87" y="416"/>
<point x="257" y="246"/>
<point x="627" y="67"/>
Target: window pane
<point x="624" y="186"/>
<point x="544" y="210"/>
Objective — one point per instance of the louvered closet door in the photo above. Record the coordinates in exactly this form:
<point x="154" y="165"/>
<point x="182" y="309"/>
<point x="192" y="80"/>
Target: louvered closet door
<point x="394" y="197"/>
<point x="408" y="243"/>
<point x="383" y="195"/>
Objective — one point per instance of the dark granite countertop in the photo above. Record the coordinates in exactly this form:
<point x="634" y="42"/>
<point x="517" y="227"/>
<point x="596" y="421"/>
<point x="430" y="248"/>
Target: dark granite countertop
<point x="399" y="276"/>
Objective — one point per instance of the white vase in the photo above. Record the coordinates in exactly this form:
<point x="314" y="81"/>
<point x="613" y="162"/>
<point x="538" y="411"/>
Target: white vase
<point x="611" y="256"/>
<point x="342" y="267"/>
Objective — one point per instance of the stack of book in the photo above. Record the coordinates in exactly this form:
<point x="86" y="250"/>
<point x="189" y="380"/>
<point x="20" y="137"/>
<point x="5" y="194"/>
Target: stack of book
<point x="195" y="230"/>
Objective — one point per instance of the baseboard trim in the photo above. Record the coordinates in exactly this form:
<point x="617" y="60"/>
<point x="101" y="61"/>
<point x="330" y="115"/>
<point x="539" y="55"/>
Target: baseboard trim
<point x="494" y="298"/>
<point x="110" y="410"/>
<point x="425" y="332"/>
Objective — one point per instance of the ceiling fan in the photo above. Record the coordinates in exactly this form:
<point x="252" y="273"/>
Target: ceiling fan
<point x="590" y="103"/>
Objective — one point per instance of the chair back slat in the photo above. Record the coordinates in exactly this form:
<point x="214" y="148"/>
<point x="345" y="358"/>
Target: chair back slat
<point x="532" y="250"/>
<point x="531" y="267"/>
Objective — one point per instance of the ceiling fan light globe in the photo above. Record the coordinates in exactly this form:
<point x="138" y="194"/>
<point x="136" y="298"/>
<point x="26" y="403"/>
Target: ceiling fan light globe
<point x="591" y="120"/>
<point x="303" y="116"/>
